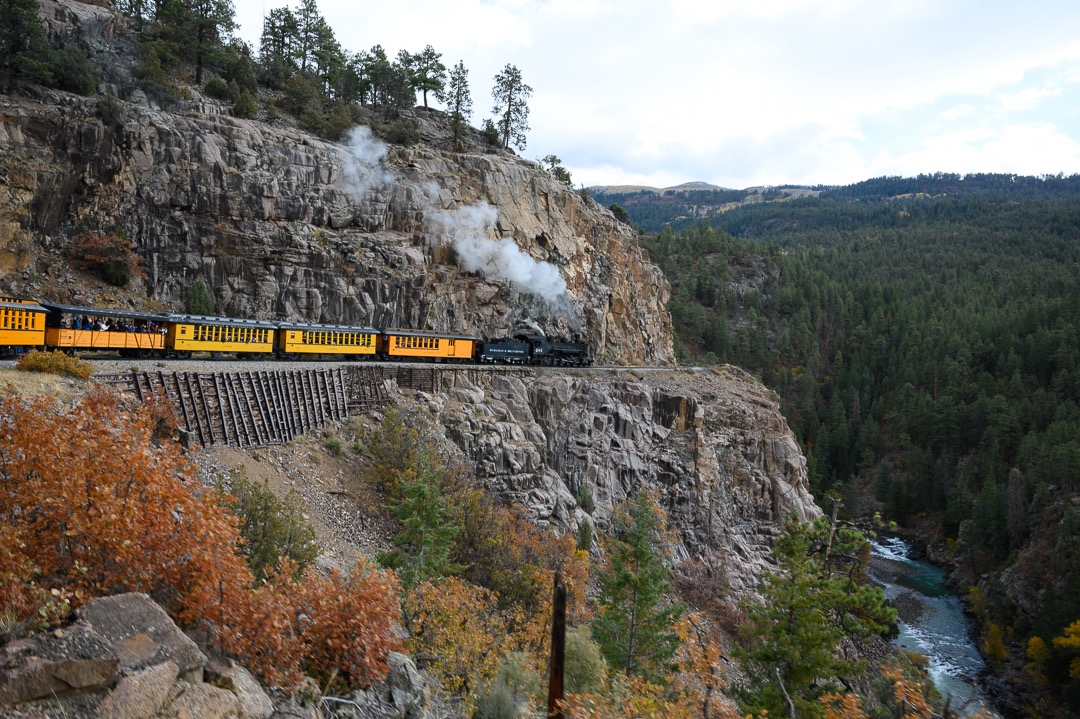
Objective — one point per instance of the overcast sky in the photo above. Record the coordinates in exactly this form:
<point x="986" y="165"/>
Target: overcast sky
<point x="755" y="92"/>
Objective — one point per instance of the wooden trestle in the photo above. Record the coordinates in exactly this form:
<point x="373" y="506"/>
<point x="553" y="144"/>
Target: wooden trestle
<point x="258" y="408"/>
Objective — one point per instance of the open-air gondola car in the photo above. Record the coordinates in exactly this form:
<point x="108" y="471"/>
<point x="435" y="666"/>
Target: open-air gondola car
<point x="131" y="334"/>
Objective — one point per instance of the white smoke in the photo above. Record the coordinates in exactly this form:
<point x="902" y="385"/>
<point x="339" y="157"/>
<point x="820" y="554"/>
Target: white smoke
<point x="470" y="230"/>
<point x="363" y="168"/>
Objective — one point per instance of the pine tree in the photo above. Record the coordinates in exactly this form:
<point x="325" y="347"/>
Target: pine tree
<point x="427" y="538"/>
<point x="810" y="604"/>
<point x="22" y="40"/>
<point x="425" y="71"/>
<point x="210" y="23"/>
<point x="635" y="623"/>
<point x="199" y="301"/>
<point x="457" y="99"/>
<point x="510" y="93"/>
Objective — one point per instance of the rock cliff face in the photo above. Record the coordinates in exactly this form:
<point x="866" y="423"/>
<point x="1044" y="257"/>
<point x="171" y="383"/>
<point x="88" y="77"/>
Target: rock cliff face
<point x="278" y="223"/>
<point x="713" y="444"/>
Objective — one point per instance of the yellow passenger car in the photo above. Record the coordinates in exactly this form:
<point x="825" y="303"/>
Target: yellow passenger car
<point x="196" y="333"/>
<point x="130" y="334"/>
<point x="22" y="325"/>
<point x="298" y="338"/>
<point x="397" y="344"/>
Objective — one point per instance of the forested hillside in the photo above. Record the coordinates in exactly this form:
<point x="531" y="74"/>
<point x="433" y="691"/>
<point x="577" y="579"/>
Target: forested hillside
<point x="924" y="335"/>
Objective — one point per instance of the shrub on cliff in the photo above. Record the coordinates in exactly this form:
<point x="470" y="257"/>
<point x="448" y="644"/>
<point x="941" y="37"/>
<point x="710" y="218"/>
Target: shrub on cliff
<point x="108" y="255"/>
<point x="245" y="107"/>
<point x="272" y="528"/>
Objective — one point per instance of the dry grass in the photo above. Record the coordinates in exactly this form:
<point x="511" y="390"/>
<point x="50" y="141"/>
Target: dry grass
<point x="65" y="389"/>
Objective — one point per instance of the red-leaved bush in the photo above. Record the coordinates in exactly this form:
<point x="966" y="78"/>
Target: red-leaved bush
<point x="95" y="500"/>
<point x="334" y="629"/>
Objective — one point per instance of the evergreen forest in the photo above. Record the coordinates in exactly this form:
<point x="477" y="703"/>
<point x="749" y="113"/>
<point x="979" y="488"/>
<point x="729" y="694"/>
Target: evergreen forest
<point x="924" y="337"/>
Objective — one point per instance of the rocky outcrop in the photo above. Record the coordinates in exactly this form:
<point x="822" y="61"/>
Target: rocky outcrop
<point x="124" y="658"/>
<point x="278" y="223"/>
<point x="712" y="443"/>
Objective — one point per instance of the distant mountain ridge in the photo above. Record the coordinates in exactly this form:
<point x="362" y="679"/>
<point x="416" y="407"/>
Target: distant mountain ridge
<point x="651" y="209"/>
<point x="685" y="187"/>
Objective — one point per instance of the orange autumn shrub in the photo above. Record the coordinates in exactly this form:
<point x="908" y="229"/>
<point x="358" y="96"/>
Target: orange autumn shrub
<point x="108" y="255"/>
<point x="95" y="500"/>
<point x="19" y="597"/>
<point x="98" y="509"/>
<point x="333" y="630"/>
<point x="843" y="706"/>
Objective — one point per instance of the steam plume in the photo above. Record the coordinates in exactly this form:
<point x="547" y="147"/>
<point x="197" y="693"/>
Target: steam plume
<point x="363" y="168"/>
<point x="470" y="230"/>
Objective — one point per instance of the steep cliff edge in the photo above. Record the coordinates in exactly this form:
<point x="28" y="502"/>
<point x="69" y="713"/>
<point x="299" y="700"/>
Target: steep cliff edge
<point x="712" y="443"/>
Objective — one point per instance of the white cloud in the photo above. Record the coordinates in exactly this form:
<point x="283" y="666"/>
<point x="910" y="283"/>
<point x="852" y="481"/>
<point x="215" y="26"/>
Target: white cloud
<point x="800" y="90"/>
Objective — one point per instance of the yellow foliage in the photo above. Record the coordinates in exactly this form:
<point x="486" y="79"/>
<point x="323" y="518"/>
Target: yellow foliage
<point x="55" y="362"/>
<point x="843" y="706"/>
<point x="995" y="642"/>
<point x="913" y="702"/>
<point x="1071" y="640"/>
<point x="977" y="601"/>
<point x="457" y="632"/>
<point x="1037" y="651"/>
<point x="701" y="675"/>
